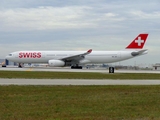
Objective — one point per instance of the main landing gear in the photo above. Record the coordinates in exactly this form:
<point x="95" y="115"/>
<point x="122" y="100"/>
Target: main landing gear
<point x="111" y="69"/>
<point x="76" y="67"/>
<point x="20" y="65"/>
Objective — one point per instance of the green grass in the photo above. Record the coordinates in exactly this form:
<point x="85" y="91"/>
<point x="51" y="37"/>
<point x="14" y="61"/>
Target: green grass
<point x="76" y="75"/>
<point x="79" y="102"/>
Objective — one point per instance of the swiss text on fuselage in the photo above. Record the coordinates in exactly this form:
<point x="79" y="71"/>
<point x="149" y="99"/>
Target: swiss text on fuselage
<point x="30" y="55"/>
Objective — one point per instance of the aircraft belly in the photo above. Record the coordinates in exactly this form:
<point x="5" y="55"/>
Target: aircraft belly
<point x="32" y="60"/>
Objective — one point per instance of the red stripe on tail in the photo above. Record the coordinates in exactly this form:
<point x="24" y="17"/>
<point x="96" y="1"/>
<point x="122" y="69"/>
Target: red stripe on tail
<point x="138" y="42"/>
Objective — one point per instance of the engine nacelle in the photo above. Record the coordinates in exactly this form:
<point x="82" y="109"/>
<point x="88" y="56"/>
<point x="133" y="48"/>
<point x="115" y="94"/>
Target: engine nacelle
<point x="56" y="63"/>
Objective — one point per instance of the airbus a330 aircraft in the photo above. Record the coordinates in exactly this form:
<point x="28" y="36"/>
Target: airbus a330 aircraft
<point x="77" y="58"/>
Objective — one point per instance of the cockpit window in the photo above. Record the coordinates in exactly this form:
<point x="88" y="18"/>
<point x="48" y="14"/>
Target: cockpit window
<point x="10" y="54"/>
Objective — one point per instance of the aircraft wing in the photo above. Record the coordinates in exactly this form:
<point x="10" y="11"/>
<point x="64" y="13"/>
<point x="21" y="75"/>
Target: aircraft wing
<point x="77" y="57"/>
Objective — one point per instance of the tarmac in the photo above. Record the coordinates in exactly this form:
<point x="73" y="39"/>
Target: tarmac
<point x="4" y="81"/>
<point x="76" y="82"/>
<point x="67" y="69"/>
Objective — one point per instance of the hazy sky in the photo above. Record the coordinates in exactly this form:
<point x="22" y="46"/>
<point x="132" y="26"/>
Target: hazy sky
<point x="80" y="25"/>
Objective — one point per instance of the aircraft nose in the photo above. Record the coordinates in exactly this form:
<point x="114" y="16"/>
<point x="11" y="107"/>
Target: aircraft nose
<point x="9" y="56"/>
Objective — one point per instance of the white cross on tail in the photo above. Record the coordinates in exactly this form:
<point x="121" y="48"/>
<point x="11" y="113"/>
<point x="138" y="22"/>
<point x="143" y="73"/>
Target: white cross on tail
<point x="139" y="41"/>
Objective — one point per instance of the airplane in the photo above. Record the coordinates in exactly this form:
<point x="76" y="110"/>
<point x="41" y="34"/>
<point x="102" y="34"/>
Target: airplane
<point x="76" y="59"/>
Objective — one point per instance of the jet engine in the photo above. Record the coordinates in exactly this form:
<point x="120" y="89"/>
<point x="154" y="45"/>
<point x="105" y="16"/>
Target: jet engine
<point x="56" y="63"/>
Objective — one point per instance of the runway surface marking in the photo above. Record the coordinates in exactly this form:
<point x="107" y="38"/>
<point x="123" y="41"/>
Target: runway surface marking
<point x="30" y="69"/>
<point x="76" y="82"/>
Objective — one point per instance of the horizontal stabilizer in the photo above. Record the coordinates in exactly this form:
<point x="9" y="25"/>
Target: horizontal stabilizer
<point x="140" y="52"/>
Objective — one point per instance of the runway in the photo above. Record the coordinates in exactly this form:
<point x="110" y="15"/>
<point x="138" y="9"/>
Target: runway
<point x="76" y="82"/>
<point x="65" y="69"/>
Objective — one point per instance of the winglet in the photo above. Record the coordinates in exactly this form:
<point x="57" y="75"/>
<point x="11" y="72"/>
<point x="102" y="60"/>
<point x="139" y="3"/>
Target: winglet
<point x="138" y="42"/>
<point x="89" y="51"/>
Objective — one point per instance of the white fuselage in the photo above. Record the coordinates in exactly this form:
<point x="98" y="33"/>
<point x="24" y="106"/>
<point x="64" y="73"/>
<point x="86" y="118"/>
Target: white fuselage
<point x="76" y="58"/>
<point x="93" y="57"/>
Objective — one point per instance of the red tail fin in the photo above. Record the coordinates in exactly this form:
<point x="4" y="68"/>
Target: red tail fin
<point x="138" y="42"/>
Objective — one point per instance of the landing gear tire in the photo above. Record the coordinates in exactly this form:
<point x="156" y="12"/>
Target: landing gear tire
<point x="76" y="67"/>
<point x="111" y="69"/>
<point x="20" y="65"/>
